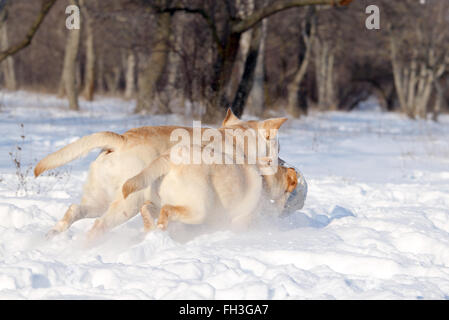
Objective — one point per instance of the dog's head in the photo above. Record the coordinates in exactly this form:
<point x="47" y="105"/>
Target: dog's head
<point x="280" y="185"/>
<point x="258" y="139"/>
<point x="297" y="197"/>
<point x="291" y="179"/>
<point x="267" y="128"/>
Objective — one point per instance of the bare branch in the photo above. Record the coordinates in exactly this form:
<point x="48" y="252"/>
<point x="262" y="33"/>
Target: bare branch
<point x="198" y="11"/>
<point x="46" y="6"/>
<point x="278" y="6"/>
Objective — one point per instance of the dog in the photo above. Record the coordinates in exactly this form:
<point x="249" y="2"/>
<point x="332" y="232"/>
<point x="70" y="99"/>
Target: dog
<point x="122" y="157"/>
<point x="224" y="194"/>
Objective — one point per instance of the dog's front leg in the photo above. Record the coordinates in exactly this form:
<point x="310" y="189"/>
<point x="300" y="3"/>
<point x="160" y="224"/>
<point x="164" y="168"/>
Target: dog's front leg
<point x="145" y="211"/>
<point x="74" y="213"/>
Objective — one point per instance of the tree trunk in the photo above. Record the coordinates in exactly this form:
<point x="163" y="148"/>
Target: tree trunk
<point x="324" y="65"/>
<point x="174" y="61"/>
<point x="397" y="75"/>
<point x="69" y="68"/>
<point x="308" y="36"/>
<point x="223" y="67"/>
<point x="320" y="68"/>
<point x="89" y="74"/>
<point x="113" y="79"/>
<point x="330" y="83"/>
<point x="246" y="82"/>
<point x="100" y="75"/>
<point x="424" y="94"/>
<point x="130" y="75"/>
<point x="411" y="77"/>
<point x="155" y="67"/>
<point x="9" y="74"/>
<point x="256" y="99"/>
<point x="438" y="102"/>
<point x="244" y="8"/>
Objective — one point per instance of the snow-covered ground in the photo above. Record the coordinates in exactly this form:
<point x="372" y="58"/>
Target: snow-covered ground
<point x="375" y="223"/>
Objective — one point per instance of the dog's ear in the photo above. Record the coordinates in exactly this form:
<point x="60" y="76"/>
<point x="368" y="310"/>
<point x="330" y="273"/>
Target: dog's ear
<point x="292" y="179"/>
<point x="230" y="119"/>
<point x="270" y="126"/>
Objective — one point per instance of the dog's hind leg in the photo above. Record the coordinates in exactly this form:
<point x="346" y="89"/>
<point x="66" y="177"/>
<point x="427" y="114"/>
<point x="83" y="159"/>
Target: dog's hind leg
<point x="74" y="213"/>
<point x="169" y="212"/>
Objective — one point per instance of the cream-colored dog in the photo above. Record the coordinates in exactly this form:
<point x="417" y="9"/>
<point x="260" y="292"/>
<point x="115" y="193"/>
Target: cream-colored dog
<point x="123" y="157"/>
<point x="227" y="195"/>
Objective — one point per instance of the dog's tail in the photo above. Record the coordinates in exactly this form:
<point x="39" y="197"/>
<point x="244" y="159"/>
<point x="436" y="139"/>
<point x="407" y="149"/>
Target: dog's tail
<point x="79" y="148"/>
<point x="147" y="176"/>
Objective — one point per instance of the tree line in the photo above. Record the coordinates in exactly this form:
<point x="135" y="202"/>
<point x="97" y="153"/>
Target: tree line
<point x="202" y="56"/>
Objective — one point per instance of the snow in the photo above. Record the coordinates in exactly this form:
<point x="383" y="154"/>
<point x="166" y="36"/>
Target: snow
<point x="375" y="224"/>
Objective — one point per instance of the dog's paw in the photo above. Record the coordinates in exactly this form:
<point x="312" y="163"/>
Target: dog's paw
<point x="148" y="229"/>
<point x="51" y="234"/>
<point x="161" y="226"/>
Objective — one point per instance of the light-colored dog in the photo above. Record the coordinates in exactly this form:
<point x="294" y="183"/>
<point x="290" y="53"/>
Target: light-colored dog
<point x="123" y="157"/>
<point x="227" y="195"/>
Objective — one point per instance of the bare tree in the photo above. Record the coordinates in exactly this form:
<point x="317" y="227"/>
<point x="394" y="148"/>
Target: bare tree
<point x="9" y="75"/>
<point x="419" y="57"/>
<point x="244" y="8"/>
<point x="256" y="98"/>
<point x="69" y="69"/>
<point x="130" y="74"/>
<point x="156" y="63"/>
<point x="45" y="8"/>
<point x="89" y="72"/>
<point x="172" y="96"/>
<point x="307" y="38"/>
<point x="247" y="78"/>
